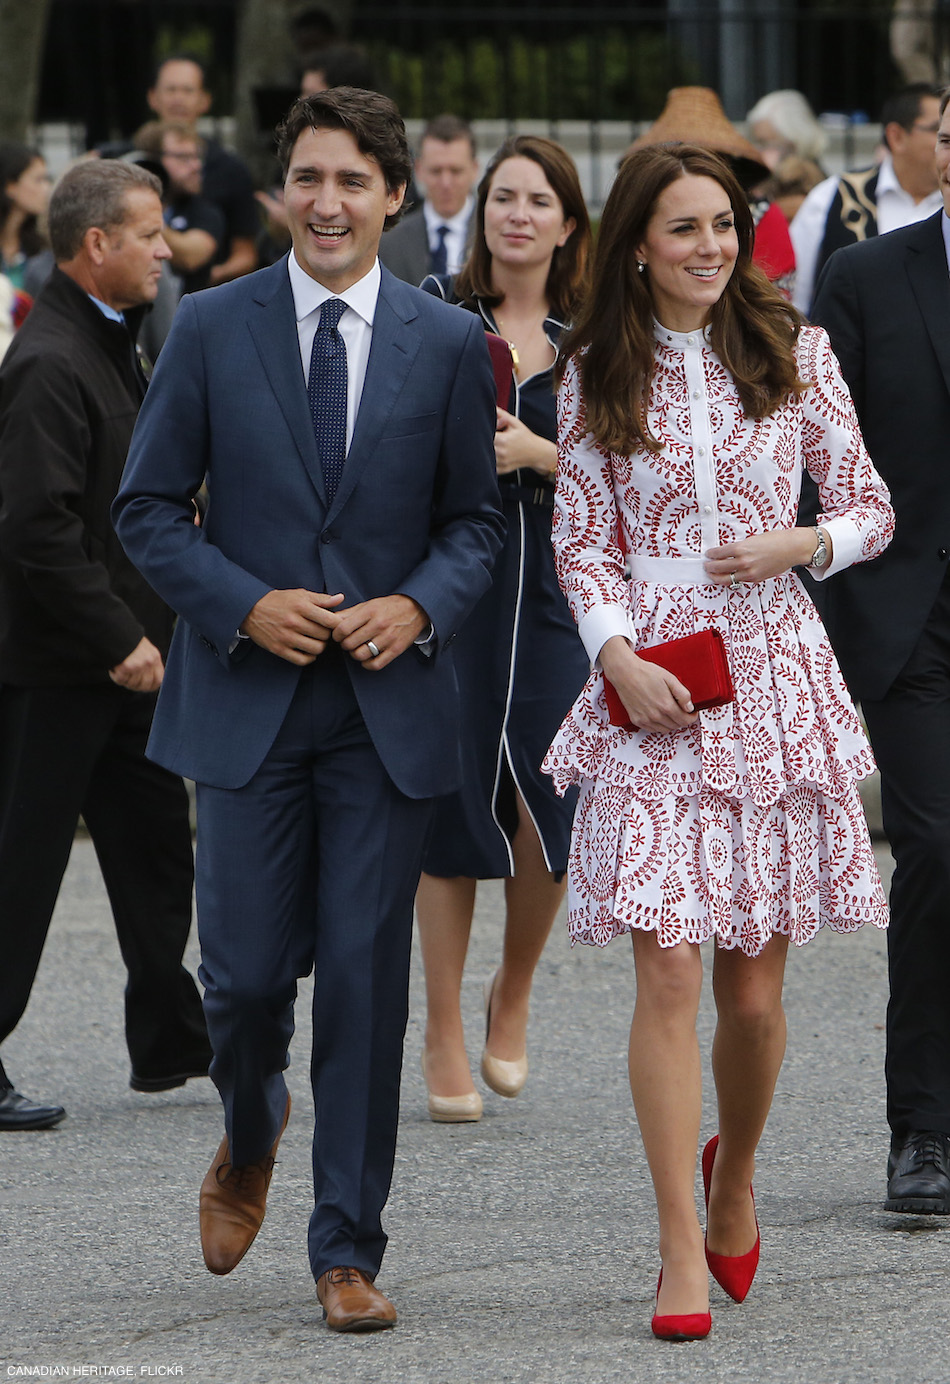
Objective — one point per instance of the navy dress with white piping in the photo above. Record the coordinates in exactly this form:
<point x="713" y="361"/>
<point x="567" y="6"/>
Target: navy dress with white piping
<point x="520" y="666"/>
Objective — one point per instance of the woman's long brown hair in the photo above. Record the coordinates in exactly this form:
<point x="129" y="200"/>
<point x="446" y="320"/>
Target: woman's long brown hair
<point x="567" y="277"/>
<point x="753" y="329"/>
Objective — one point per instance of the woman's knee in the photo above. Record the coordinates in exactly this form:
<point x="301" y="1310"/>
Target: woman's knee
<point x="669" y="977"/>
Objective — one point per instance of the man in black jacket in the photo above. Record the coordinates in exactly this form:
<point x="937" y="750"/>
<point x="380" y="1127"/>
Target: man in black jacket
<point x="83" y="637"/>
<point x="886" y="305"/>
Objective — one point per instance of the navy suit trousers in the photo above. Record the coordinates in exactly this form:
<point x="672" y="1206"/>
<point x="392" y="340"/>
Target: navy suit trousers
<point x="313" y="865"/>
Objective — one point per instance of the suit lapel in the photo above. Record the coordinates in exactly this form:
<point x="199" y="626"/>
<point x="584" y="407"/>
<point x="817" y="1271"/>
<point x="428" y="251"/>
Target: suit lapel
<point x="396" y="342"/>
<point x="930" y="284"/>
<point x="273" y="326"/>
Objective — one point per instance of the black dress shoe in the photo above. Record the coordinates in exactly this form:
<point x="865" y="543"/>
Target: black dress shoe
<point x="19" y="1112"/>
<point x="919" y="1175"/>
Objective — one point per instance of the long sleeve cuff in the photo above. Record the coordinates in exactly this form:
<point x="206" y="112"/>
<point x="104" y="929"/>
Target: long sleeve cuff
<point x="601" y="623"/>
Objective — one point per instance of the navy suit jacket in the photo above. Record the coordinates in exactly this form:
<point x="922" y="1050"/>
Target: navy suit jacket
<point x="417" y="512"/>
<point x="886" y="306"/>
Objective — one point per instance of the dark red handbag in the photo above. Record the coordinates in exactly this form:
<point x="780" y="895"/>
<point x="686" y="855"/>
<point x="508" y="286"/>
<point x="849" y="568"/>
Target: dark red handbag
<point x="697" y="660"/>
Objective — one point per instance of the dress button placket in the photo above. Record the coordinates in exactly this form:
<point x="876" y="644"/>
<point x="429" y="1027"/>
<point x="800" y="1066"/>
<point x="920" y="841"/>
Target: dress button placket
<point x="704" y="474"/>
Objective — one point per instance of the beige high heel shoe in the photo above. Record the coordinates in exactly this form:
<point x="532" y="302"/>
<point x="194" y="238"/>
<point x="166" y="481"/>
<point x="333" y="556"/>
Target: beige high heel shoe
<point x="504" y="1078"/>
<point x="452" y="1109"/>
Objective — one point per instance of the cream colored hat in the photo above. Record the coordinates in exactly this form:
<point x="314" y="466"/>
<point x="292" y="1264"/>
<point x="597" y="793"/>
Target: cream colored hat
<point x="694" y="115"/>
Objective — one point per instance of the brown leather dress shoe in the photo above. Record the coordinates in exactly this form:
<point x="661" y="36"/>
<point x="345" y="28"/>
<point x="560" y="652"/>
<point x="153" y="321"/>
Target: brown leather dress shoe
<point x="351" y="1303"/>
<point x="232" y="1203"/>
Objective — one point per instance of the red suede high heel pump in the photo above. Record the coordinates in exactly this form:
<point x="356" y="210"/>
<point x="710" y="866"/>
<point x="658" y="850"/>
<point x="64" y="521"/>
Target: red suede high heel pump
<point x="687" y="1326"/>
<point x="733" y="1272"/>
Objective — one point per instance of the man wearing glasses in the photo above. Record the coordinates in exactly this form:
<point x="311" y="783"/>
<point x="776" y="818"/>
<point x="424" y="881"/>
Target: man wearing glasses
<point x="899" y="191"/>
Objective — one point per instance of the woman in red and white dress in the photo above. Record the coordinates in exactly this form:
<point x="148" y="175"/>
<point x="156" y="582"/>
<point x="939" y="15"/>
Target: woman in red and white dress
<point x="692" y="398"/>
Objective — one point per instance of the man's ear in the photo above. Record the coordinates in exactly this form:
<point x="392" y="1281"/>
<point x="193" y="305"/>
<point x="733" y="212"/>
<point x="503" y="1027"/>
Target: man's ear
<point x="96" y="243"/>
<point x="396" y="199"/>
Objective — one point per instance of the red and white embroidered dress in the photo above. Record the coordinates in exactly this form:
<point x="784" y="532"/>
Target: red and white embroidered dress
<point x="749" y="822"/>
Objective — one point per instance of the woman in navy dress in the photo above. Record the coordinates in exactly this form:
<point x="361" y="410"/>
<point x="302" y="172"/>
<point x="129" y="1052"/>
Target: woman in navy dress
<point x="519" y="659"/>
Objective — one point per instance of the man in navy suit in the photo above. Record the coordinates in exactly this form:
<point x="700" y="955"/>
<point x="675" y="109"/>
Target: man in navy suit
<point x="886" y="305"/>
<point x="310" y="689"/>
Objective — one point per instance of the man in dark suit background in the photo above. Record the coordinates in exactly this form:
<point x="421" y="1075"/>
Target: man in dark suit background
<point x="433" y="238"/>
<point x="83" y="637"/>
<point x="310" y="689"/>
<point x="886" y="305"/>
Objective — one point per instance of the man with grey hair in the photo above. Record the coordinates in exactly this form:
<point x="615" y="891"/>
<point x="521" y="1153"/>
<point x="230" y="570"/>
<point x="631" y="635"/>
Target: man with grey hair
<point x="83" y="637"/>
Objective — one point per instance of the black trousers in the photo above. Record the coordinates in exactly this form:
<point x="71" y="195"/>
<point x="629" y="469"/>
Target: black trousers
<point x="66" y="751"/>
<point x="910" y="734"/>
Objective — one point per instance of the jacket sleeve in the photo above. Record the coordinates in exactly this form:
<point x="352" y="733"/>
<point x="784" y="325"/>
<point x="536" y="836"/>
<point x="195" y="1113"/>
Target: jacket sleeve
<point x="154" y="510"/>
<point x="47" y="447"/>
<point x="467" y="526"/>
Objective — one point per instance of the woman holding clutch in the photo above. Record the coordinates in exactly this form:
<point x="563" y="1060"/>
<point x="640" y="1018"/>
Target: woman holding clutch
<point x="692" y="398"/>
<point x="520" y="662"/>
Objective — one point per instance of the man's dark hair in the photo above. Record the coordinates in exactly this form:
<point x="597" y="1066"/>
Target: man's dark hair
<point x="903" y="107"/>
<point x="90" y="194"/>
<point x="944" y="100"/>
<point x="447" y="129"/>
<point x="372" y="120"/>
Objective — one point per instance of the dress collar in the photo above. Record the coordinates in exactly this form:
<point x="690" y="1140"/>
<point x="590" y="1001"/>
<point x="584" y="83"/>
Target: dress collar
<point x="681" y="341"/>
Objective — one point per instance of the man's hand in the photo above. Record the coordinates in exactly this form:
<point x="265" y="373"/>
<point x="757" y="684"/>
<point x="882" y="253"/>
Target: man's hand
<point x="391" y="622"/>
<point x="294" y="625"/>
<point x="142" y="670"/>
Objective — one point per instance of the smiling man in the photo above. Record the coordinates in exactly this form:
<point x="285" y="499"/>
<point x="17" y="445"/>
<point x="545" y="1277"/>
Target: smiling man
<point x="344" y="424"/>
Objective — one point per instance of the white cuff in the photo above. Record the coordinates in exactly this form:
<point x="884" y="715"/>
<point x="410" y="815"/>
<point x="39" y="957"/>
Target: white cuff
<point x="845" y="550"/>
<point x="600" y="624"/>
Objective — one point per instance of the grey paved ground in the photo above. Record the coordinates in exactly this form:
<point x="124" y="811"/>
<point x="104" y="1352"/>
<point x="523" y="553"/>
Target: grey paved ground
<point x="522" y="1248"/>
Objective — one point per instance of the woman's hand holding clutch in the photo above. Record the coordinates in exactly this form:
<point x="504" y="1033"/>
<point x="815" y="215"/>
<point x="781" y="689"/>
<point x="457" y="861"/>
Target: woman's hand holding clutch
<point x="655" y="699"/>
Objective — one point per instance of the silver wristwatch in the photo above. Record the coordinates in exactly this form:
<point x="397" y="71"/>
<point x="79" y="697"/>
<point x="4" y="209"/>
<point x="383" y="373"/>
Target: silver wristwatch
<point x="820" y="555"/>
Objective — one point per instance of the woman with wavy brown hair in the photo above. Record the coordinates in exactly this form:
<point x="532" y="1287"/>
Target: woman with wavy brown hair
<point x="520" y="662"/>
<point x="692" y="398"/>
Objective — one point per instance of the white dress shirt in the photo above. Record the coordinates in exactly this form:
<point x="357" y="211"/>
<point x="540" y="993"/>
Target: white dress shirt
<point x="356" y="327"/>
<point x="945" y="223"/>
<point x="895" y="208"/>
<point x="456" y="242"/>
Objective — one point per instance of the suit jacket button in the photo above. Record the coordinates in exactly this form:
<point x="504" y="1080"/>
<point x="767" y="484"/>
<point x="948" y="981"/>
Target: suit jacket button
<point x="328" y="536"/>
<point x="942" y="554"/>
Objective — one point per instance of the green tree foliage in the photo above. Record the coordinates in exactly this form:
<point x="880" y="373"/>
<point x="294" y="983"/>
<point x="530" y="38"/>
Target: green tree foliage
<point x="614" y="75"/>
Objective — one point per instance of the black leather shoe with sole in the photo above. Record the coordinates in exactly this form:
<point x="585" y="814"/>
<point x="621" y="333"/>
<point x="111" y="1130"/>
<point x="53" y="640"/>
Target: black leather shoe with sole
<point x="919" y="1175"/>
<point x="19" y="1112"/>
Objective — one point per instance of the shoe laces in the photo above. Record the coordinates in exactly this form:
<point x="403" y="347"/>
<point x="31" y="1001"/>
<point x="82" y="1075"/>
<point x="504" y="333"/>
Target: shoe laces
<point x="244" y="1179"/>
<point x="932" y="1148"/>
<point x="342" y="1275"/>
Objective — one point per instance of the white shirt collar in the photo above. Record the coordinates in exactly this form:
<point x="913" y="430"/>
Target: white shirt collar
<point x="457" y="223"/>
<point x="310" y="295"/>
<point x="945" y="227"/>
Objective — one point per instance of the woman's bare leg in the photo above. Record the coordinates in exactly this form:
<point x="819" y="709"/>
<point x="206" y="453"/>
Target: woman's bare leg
<point x="747" y="1056"/>
<point x="666" y="1082"/>
<point x="532" y="899"/>
<point x="444" y="910"/>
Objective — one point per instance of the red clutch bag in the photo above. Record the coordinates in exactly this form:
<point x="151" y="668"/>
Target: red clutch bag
<point x="697" y="660"/>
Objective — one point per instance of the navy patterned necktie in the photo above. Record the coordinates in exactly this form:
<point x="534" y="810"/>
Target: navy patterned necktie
<point x="326" y="390"/>
<point x="440" y="255"/>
